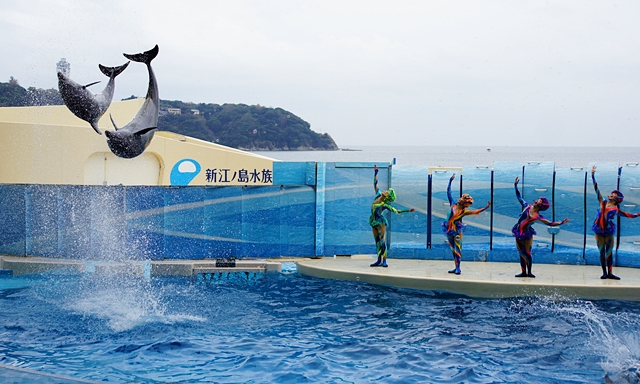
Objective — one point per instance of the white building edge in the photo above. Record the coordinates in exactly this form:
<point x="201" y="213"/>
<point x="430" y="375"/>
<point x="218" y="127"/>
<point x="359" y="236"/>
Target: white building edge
<point x="50" y="145"/>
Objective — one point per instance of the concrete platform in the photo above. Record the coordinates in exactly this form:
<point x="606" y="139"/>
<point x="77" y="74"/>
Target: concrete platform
<point x="20" y="265"/>
<point x="481" y="279"/>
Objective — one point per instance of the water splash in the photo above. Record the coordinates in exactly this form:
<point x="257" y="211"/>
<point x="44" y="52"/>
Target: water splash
<point x="121" y="302"/>
<point x="613" y="337"/>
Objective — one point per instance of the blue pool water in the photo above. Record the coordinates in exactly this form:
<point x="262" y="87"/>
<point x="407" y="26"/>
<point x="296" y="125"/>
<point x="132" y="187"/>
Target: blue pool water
<point x="289" y="329"/>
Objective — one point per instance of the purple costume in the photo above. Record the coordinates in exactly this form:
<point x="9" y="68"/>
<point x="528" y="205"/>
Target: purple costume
<point x="604" y="228"/>
<point x="524" y="232"/>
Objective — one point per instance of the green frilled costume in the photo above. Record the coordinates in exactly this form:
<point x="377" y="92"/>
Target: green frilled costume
<point x="377" y="219"/>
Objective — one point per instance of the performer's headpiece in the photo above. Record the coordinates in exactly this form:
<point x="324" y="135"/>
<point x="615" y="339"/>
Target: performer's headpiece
<point x="619" y="194"/>
<point x="391" y="196"/>
<point x="466" y="199"/>
<point x="543" y="205"/>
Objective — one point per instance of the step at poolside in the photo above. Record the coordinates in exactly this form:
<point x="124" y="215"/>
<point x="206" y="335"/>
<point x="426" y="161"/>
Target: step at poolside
<point x="20" y="265"/>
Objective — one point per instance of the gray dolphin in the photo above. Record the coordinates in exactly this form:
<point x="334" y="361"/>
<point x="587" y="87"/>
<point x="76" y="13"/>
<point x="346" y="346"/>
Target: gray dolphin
<point x="132" y="139"/>
<point x="82" y="102"/>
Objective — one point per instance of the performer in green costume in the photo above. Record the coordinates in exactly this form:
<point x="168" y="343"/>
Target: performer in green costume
<point x="377" y="220"/>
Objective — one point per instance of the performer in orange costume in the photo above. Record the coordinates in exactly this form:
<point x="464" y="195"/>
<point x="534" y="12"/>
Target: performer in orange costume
<point x="453" y="226"/>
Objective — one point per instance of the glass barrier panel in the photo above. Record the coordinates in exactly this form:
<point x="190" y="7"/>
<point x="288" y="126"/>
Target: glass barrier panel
<point x="569" y="201"/>
<point x="261" y="221"/>
<point x="108" y="223"/>
<point x="408" y="231"/>
<point x="144" y="209"/>
<point x="349" y="193"/>
<point x="184" y="223"/>
<point x="297" y="221"/>
<point x="42" y="220"/>
<point x="628" y="253"/>
<point x="74" y="222"/>
<point x="13" y="213"/>
<point x="506" y="210"/>
<point x="223" y="222"/>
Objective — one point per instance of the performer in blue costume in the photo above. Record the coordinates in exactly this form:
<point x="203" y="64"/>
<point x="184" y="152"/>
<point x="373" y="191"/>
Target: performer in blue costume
<point x="524" y="232"/>
<point x="604" y="227"/>
<point x="453" y="226"/>
<point x="377" y="220"/>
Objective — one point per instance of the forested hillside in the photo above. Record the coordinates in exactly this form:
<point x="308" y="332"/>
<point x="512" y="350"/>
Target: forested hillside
<point x="13" y="95"/>
<point x="248" y="127"/>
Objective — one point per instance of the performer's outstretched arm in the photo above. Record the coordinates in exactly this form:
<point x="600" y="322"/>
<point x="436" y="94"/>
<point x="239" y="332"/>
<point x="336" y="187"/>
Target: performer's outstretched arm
<point x="375" y="179"/>
<point x="392" y="209"/>
<point x="515" y="184"/>
<point x="468" y="212"/>
<point x="552" y="223"/>
<point x="627" y="214"/>
<point x="595" y="184"/>
<point x="449" y="196"/>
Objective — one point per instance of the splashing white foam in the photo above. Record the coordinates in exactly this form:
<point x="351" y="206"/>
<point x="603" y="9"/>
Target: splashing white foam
<point x="125" y="303"/>
<point x="613" y="337"/>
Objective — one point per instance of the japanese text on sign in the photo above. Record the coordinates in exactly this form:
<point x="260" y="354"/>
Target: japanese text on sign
<point x="225" y="175"/>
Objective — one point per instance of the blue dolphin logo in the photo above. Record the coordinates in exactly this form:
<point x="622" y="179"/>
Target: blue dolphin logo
<point x="184" y="171"/>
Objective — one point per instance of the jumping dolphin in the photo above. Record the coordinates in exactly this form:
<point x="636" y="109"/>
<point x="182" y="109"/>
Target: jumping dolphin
<point x="132" y="139"/>
<point x="82" y="102"/>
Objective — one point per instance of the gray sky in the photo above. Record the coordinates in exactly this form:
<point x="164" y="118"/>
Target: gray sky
<point x="487" y="73"/>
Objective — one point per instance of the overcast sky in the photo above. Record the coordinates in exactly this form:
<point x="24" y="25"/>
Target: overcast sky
<point x="369" y="72"/>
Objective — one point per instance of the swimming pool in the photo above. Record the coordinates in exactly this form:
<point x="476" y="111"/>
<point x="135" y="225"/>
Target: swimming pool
<point x="287" y="328"/>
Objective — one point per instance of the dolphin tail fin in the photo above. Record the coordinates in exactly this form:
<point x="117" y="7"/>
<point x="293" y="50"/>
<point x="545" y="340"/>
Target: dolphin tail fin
<point x="144" y="57"/>
<point x="94" y="125"/>
<point x="113" y="71"/>
<point x="113" y="122"/>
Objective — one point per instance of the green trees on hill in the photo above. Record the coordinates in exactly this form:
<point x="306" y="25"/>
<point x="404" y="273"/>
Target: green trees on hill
<point x="247" y="127"/>
<point x="14" y="95"/>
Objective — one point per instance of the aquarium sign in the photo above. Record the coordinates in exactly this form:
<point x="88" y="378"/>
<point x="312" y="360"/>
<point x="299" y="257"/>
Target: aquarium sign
<point x="240" y="176"/>
<point x="184" y="171"/>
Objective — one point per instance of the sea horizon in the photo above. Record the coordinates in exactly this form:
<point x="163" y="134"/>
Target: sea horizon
<point x="463" y="155"/>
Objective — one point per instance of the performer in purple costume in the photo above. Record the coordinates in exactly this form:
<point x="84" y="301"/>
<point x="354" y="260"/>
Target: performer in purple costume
<point x="604" y="227"/>
<point x="378" y="222"/>
<point x="523" y="230"/>
<point x="453" y="226"/>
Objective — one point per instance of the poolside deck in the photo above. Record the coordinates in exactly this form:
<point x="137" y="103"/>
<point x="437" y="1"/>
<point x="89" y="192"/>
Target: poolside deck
<point x="480" y="279"/>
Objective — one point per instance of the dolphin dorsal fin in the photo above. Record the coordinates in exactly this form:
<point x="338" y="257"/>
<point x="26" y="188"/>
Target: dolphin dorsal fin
<point x="90" y="84"/>
<point x="113" y="122"/>
<point x="145" y="130"/>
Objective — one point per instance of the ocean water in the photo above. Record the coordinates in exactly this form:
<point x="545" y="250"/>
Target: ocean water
<point x="293" y="329"/>
<point x="457" y="156"/>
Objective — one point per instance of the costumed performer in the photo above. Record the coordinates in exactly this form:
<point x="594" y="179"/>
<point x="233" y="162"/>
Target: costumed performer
<point x="377" y="220"/>
<point x="524" y="232"/>
<point x="453" y="226"/>
<point x="604" y="227"/>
